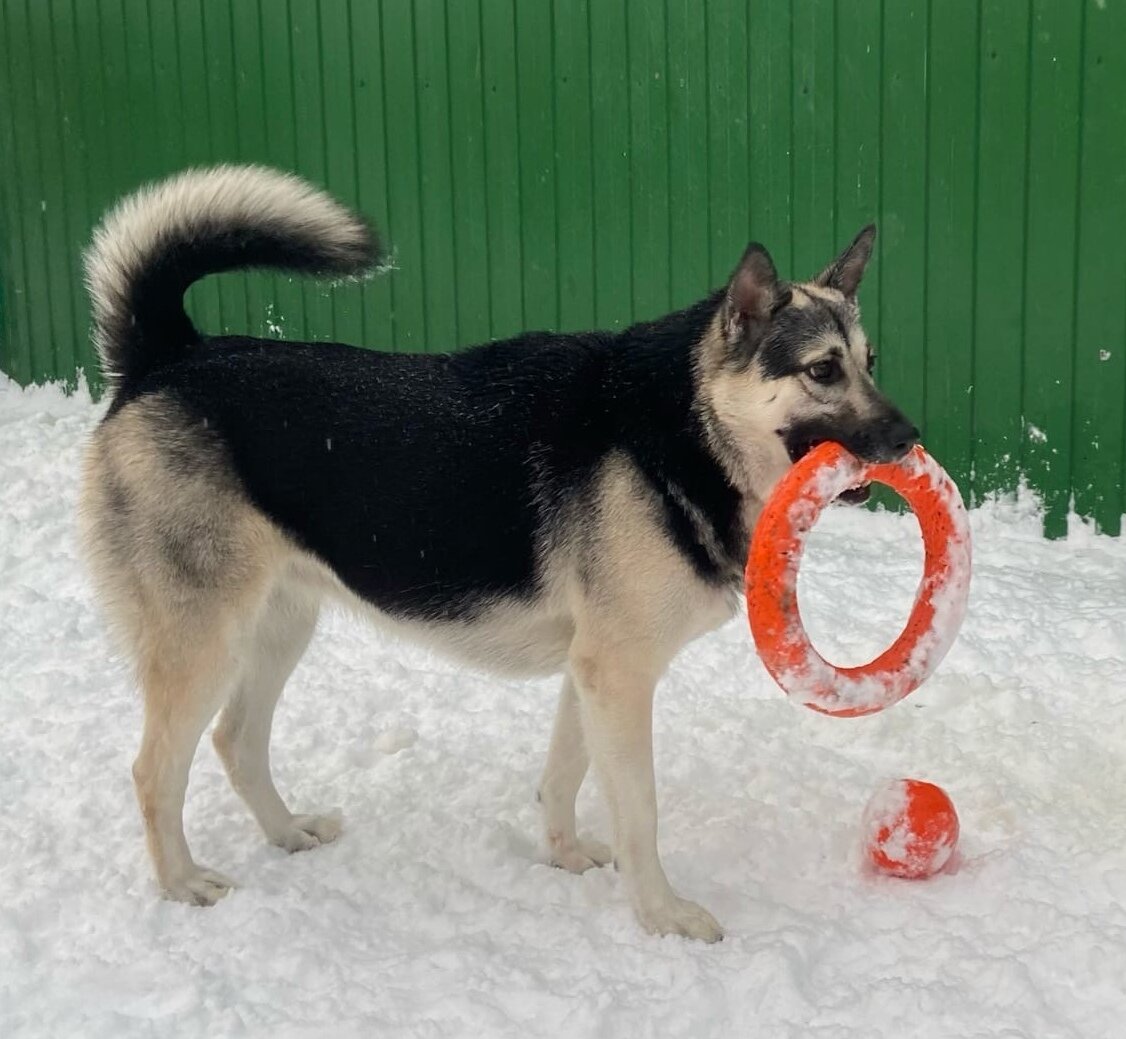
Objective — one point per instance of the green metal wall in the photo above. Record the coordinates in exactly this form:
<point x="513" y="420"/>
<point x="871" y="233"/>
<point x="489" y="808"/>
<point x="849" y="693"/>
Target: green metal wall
<point x="575" y="163"/>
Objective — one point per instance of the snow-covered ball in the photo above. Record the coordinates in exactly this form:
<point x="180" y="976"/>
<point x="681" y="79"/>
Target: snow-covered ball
<point x="910" y="829"/>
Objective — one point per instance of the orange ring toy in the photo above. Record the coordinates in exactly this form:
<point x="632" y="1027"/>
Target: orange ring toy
<point x="772" y="581"/>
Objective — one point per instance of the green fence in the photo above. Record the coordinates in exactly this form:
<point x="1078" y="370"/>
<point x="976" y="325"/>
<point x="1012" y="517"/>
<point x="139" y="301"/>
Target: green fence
<point x="570" y="164"/>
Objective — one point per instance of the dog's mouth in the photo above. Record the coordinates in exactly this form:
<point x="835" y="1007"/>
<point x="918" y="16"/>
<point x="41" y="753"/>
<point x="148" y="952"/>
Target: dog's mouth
<point x="856" y="496"/>
<point x="798" y="449"/>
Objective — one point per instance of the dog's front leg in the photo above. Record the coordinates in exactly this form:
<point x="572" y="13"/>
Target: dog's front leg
<point x="617" y="705"/>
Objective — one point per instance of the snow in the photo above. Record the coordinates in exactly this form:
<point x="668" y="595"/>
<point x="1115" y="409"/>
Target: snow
<point x="885" y="823"/>
<point x="434" y="914"/>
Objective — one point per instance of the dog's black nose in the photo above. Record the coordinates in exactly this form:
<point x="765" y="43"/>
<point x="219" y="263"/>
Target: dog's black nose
<point x="886" y="440"/>
<point x="901" y="437"/>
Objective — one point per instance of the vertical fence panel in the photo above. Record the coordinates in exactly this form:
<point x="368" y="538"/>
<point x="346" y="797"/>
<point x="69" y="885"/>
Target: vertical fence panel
<point x="609" y="151"/>
<point x="814" y="56"/>
<point x="223" y="130"/>
<point x="1100" y="361"/>
<point x="535" y="64"/>
<point x="195" y="146"/>
<point x="435" y="173"/>
<point x="470" y="229"/>
<point x="648" y="149"/>
<point x="366" y="63"/>
<point x="404" y="218"/>
<point x="689" y="236"/>
<point x="572" y="163"/>
<point x="575" y="108"/>
<point x="1002" y="142"/>
<point x="251" y="145"/>
<point x="857" y="145"/>
<point x="770" y="57"/>
<point x="44" y="316"/>
<point x="1053" y="179"/>
<point x="56" y="54"/>
<point x="312" y="131"/>
<point x="287" y="317"/>
<point x="166" y="88"/>
<point x="93" y="119"/>
<point x="951" y="172"/>
<point x="502" y="166"/>
<point x="728" y="180"/>
<point x="340" y="150"/>
<point x="903" y="218"/>
<point x="15" y="317"/>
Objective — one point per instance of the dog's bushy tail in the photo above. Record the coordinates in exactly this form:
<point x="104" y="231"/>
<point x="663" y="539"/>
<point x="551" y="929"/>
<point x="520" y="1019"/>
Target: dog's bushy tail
<point x="154" y="243"/>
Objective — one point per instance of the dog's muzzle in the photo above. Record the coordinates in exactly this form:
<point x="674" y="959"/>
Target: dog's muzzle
<point x="886" y="440"/>
<point x="883" y="440"/>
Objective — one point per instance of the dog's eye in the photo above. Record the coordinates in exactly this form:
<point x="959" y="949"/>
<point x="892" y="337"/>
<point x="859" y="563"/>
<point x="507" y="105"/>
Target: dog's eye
<point x="871" y="363"/>
<point x="823" y="371"/>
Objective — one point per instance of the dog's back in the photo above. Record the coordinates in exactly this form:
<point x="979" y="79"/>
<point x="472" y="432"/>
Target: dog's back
<point x="422" y="481"/>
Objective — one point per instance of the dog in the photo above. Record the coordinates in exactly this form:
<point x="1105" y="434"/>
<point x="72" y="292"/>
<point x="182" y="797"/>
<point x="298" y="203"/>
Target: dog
<point x="552" y="503"/>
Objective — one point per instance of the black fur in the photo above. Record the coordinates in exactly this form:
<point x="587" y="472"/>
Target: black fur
<point x="163" y="329"/>
<point x="423" y="481"/>
<point x="792" y="330"/>
<point x="143" y="325"/>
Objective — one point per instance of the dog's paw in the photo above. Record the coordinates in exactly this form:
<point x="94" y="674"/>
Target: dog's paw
<point x="679" y="916"/>
<point x="199" y="887"/>
<point x="308" y="831"/>
<point x="577" y="855"/>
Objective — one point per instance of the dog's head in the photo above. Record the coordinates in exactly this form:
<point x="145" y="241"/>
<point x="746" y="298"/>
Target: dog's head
<point x="785" y="366"/>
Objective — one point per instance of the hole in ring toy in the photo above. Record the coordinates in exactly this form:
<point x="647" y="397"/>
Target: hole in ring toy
<point x="772" y="581"/>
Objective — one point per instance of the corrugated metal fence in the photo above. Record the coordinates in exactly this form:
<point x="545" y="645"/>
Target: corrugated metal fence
<point x="576" y="163"/>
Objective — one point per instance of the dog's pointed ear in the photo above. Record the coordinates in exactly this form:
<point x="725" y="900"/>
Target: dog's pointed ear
<point x="753" y="295"/>
<point x="845" y="272"/>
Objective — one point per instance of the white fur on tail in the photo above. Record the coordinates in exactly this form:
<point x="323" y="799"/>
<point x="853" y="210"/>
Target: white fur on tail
<point x="203" y="221"/>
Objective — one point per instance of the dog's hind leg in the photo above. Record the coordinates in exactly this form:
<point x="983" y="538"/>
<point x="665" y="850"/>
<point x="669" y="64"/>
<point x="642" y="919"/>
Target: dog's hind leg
<point x="183" y="688"/>
<point x="567" y="763"/>
<point x="242" y="736"/>
<point x="185" y="566"/>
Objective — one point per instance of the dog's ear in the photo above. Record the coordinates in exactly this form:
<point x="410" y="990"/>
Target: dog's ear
<point x="845" y="272"/>
<point x="753" y="296"/>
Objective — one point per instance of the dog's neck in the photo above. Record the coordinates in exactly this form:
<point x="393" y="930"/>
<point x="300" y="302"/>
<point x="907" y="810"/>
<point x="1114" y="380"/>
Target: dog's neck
<point x="651" y="387"/>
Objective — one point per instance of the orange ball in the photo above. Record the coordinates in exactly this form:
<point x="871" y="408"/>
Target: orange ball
<point x="910" y="829"/>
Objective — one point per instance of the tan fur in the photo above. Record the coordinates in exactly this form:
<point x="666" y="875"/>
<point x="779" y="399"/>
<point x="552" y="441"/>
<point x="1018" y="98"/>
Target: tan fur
<point x="811" y="289"/>
<point x="742" y="415"/>
<point x="644" y="606"/>
<point x="186" y="569"/>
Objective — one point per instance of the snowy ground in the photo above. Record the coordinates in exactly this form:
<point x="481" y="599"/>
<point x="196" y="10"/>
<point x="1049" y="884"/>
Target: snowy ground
<point x="434" y="915"/>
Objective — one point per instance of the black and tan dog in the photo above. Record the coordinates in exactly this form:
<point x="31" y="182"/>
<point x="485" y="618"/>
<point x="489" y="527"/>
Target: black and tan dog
<point x="551" y="503"/>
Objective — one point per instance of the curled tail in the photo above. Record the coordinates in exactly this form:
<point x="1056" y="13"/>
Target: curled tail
<point x="154" y="243"/>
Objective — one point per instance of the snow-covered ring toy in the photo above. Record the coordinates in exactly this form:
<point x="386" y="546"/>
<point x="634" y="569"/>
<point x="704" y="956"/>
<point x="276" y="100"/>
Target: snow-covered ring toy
<point x="772" y="581"/>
